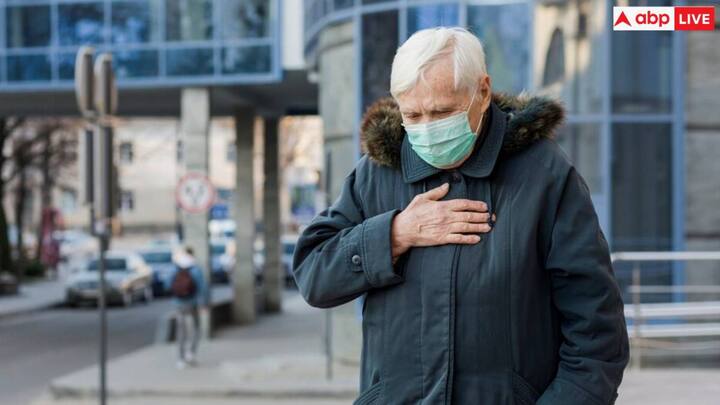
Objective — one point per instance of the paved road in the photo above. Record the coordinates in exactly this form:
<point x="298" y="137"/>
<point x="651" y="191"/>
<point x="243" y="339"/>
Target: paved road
<point x="40" y="346"/>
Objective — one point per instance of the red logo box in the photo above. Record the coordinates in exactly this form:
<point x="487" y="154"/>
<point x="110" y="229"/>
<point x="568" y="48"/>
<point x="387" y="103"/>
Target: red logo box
<point x="694" y="18"/>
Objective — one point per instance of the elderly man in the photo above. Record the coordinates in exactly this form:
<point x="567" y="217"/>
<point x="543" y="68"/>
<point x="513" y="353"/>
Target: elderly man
<point x="486" y="274"/>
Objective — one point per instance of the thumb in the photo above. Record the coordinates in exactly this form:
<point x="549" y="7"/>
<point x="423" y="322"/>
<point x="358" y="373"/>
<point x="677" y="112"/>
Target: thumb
<point x="437" y="192"/>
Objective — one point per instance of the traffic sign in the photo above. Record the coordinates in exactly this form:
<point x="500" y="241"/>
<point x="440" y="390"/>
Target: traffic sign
<point x="195" y="193"/>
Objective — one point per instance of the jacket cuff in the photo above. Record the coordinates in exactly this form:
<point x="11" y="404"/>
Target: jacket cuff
<point x="564" y="392"/>
<point x="372" y="254"/>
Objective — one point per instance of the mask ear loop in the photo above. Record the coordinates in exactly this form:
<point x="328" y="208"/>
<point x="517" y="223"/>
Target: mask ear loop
<point x="470" y="106"/>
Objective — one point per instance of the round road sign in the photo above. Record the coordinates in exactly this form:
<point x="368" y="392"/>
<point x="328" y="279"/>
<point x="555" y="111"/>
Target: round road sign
<point x="194" y="193"/>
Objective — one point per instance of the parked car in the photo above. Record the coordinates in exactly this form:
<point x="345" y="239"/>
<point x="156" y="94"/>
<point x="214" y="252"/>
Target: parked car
<point x="288" y="243"/>
<point x="160" y="261"/>
<point x="128" y="278"/>
<point x="219" y="266"/>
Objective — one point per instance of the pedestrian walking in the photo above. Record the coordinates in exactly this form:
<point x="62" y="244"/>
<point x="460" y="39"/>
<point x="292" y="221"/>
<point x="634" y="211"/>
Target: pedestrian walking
<point x="189" y="291"/>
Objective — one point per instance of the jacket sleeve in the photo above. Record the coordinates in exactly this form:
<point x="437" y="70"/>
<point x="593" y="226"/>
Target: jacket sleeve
<point x="595" y="347"/>
<point x="343" y="253"/>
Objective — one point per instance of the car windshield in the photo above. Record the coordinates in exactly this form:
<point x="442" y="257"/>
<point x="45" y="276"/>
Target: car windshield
<point x="157" y="257"/>
<point x="217" y="249"/>
<point x="111" y="264"/>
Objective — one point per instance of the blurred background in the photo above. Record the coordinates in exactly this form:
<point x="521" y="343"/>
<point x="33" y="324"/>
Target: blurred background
<point x="264" y="97"/>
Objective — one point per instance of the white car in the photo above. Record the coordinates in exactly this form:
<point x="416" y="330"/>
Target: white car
<point x="127" y="276"/>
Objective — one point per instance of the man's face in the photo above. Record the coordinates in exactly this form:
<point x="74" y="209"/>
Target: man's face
<point x="435" y="97"/>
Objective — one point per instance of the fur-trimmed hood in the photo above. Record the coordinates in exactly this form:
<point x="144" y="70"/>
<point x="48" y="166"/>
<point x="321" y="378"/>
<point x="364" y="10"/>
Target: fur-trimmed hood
<point x="529" y="118"/>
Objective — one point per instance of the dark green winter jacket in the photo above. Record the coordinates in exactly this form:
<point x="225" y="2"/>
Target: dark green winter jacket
<point x="531" y="314"/>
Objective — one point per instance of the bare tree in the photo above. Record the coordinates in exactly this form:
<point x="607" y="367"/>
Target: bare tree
<point x="8" y="127"/>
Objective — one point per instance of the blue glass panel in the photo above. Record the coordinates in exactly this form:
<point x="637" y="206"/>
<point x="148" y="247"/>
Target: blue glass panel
<point x="245" y="18"/>
<point x="641" y="71"/>
<point x="341" y="4"/>
<point x="27" y="26"/>
<point x="188" y="20"/>
<point x="80" y="23"/>
<point x="380" y="41"/>
<point x="66" y="66"/>
<point x="189" y="61"/>
<point x="248" y="59"/>
<point x="135" y="63"/>
<point x="431" y="16"/>
<point x="505" y="31"/>
<point x="134" y="22"/>
<point x="642" y="187"/>
<point x="28" y="67"/>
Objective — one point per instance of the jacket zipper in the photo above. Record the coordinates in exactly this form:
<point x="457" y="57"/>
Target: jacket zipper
<point x="451" y="326"/>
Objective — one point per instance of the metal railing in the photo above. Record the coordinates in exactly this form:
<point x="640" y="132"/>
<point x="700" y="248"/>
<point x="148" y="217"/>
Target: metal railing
<point x="636" y="289"/>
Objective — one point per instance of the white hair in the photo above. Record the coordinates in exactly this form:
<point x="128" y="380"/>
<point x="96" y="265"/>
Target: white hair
<point x="428" y="46"/>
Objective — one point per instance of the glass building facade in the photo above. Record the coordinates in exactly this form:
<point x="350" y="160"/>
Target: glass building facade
<point x="622" y="91"/>
<point x="153" y="42"/>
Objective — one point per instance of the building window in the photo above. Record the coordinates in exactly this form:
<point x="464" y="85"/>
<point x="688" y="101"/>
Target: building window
<point x="27" y="26"/>
<point x="246" y="59"/>
<point x="555" y="59"/>
<point x="188" y="20"/>
<point x="28" y="67"/>
<point x="642" y="187"/>
<point x="80" y="23"/>
<point x="127" y="200"/>
<point x="244" y="18"/>
<point x="189" y="62"/>
<point x="503" y="30"/>
<point x="126" y="152"/>
<point x="431" y="16"/>
<point x="231" y="154"/>
<point x="641" y="72"/>
<point x="380" y="41"/>
<point x="581" y="142"/>
<point x="132" y="63"/>
<point x="135" y="21"/>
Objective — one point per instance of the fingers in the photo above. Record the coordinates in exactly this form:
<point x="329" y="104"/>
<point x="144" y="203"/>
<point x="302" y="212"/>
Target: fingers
<point x="469" y="216"/>
<point x="466" y="227"/>
<point x="462" y="204"/>
<point x="462" y="238"/>
<point x="437" y="192"/>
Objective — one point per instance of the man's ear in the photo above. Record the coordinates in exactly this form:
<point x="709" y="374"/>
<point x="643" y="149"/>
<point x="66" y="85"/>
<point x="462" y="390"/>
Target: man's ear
<point x="486" y="91"/>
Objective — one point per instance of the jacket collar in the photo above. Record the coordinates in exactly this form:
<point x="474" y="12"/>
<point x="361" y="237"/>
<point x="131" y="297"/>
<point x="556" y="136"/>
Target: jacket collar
<point x="515" y="123"/>
<point x="482" y="158"/>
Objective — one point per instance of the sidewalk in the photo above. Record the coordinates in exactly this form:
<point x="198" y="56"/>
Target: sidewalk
<point x="279" y="360"/>
<point x="32" y="297"/>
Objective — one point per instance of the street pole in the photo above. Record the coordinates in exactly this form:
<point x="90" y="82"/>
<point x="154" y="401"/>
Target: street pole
<point x="95" y="191"/>
<point x="105" y="103"/>
<point x="102" y="239"/>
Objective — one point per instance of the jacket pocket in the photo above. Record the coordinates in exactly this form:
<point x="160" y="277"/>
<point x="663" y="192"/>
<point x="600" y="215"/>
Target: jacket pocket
<point x="370" y="395"/>
<point x="523" y="392"/>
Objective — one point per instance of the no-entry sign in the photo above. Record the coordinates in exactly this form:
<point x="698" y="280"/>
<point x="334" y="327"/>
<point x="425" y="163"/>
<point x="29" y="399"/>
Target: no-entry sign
<point x="195" y="193"/>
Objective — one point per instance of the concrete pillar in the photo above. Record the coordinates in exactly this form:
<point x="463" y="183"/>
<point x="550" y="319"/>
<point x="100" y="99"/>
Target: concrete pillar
<point x="244" y="276"/>
<point x="194" y="125"/>
<point x="274" y="272"/>
<point x="336" y="55"/>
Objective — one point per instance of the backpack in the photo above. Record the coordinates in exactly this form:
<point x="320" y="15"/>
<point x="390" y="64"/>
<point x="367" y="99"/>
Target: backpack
<point x="183" y="285"/>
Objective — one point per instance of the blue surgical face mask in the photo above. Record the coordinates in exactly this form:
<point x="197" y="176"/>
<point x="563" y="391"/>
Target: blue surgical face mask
<point x="444" y="142"/>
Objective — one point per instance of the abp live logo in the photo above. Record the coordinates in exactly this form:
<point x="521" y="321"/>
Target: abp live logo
<point x="663" y="18"/>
